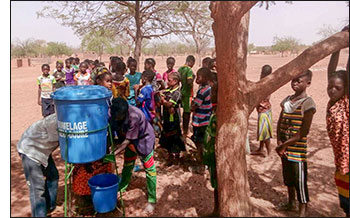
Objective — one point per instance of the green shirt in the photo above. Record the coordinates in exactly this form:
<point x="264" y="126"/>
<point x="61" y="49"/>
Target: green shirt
<point x="186" y="73"/>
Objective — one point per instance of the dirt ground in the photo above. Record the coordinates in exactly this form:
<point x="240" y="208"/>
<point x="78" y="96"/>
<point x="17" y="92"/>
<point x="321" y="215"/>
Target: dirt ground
<point x="180" y="192"/>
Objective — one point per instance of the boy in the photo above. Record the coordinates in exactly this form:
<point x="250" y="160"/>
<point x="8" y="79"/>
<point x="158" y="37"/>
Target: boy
<point x="134" y="79"/>
<point x="170" y="62"/>
<point x="35" y="148"/>
<point x="60" y="76"/>
<point x="187" y="77"/>
<point x="137" y="138"/>
<point x="292" y="129"/>
<point x="205" y="62"/>
<point x="201" y="107"/>
<point x="45" y="88"/>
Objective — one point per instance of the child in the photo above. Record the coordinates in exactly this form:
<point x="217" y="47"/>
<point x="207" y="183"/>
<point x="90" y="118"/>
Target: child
<point x="121" y="82"/>
<point x="113" y="60"/>
<point x="59" y="75"/>
<point x="187" y="77"/>
<point x="69" y="71"/>
<point x="265" y="131"/>
<point x="35" y="148"/>
<point x="338" y="126"/>
<point x="145" y="92"/>
<point x="134" y="78"/>
<point x="46" y="87"/>
<point x="209" y="151"/>
<point x="292" y="129"/>
<point x="212" y="64"/>
<point x="201" y="108"/>
<point x="171" y="137"/>
<point x="83" y="77"/>
<point x="93" y="66"/>
<point x="205" y="62"/>
<point x="137" y="138"/>
<point x="170" y="62"/>
<point x="150" y="64"/>
<point x="76" y="64"/>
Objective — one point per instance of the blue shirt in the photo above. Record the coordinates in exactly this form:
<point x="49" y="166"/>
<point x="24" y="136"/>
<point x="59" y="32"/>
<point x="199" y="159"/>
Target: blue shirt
<point x="145" y="98"/>
<point x="134" y="80"/>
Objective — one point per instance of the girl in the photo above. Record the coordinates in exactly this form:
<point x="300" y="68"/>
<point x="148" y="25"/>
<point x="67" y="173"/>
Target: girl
<point x="170" y="62"/>
<point x="69" y="71"/>
<point x="171" y="137"/>
<point x="134" y="78"/>
<point x="59" y="76"/>
<point x="265" y="131"/>
<point x="338" y="126"/>
<point x="83" y="77"/>
<point x="83" y="172"/>
<point x="120" y="82"/>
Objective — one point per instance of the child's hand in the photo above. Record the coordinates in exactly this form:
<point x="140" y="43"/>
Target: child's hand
<point x="280" y="151"/>
<point x="39" y="102"/>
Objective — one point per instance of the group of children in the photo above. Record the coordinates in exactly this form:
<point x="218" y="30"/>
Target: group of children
<point x="148" y="105"/>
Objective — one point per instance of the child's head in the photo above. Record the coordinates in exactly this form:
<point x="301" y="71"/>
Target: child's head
<point x="205" y="62"/>
<point x="147" y="76"/>
<point x="337" y="85"/>
<point x="59" y="66"/>
<point x="120" y="68"/>
<point x="300" y="83"/>
<point x="104" y="78"/>
<point x="94" y="64"/>
<point x="59" y="62"/>
<point x="265" y="71"/>
<point x="45" y="68"/>
<point x="68" y="62"/>
<point x="76" y="61"/>
<point x="83" y="67"/>
<point x="150" y="63"/>
<point x="190" y="60"/>
<point x="119" y="109"/>
<point x="114" y="60"/>
<point x="132" y="64"/>
<point x="128" y="61"/>
<point x="204" y="75"/>
<point x="212" y="64"/>
<point x="101" y="64"/>
<point x="174" y="79"/>
<point x="170" y="62"/>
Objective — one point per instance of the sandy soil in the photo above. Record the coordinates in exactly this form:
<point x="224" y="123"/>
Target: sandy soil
<point x="180" y="192"/>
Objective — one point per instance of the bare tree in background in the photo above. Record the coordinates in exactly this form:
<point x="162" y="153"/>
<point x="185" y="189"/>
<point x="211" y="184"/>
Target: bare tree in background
<point x="237" y="96"/>
<point x="194" y="17"/>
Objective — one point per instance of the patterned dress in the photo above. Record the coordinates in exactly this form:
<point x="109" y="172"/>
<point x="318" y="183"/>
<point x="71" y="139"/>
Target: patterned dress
<point x="338" y="131"/>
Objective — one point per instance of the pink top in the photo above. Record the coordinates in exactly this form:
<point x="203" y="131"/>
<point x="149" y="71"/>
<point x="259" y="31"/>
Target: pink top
<point x="166" y="73"/>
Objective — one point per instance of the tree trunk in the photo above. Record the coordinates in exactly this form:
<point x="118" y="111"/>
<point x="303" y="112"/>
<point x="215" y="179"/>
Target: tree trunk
<point x="232" y="111"/>
<point x="138" y="36"/>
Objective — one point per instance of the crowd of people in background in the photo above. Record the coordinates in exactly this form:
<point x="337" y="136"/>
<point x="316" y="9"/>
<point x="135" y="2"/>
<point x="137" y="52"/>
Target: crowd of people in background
<point x="147" y="105"/>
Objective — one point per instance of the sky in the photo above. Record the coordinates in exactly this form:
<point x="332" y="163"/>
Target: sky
<point x="301" y="20"/>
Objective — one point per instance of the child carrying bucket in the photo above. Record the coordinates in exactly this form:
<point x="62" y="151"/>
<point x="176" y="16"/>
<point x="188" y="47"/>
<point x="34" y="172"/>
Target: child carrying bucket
<point x="137" y="137"/>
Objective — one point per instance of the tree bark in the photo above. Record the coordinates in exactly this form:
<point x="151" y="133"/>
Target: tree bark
<point x="232" y="111"/>
<point x="237" y="97"/>
<point x="138" y="36"/>
<point x="258" y="91"/>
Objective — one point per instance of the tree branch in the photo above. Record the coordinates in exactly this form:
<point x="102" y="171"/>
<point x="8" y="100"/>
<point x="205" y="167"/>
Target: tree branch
<point x="259" y="90"/>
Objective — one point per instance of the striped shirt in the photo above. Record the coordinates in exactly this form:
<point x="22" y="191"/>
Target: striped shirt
<point x="290" y="124"/>
<point x="201" y="115"/>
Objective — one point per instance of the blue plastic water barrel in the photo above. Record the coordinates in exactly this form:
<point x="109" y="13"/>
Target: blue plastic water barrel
<point x="104" y="191"/>
<point x="81" y="109"/>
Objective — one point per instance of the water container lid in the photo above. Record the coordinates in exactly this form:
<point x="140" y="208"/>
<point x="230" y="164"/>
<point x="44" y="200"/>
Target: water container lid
<point x="88" y="92"/>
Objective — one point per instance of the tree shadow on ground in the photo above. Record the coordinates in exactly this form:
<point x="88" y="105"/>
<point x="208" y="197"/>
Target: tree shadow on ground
<point x="268" y="186"/>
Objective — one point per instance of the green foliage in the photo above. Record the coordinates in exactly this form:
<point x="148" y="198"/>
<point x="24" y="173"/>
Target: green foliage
<point x="251" y="47"/>
<point x="57" y="49"/>
<point x="169" y="48"/>
<point x="38" y="48"/>
<point x="285" y="44"/>
<point x="98" y="41"/>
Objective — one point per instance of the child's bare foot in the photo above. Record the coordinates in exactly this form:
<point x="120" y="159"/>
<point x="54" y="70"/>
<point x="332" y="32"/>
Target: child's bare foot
<point x="150" y="208"/>
<point x="302" y="210"/>
<point x="258" y="152"/>
<point x="287" y="207"/>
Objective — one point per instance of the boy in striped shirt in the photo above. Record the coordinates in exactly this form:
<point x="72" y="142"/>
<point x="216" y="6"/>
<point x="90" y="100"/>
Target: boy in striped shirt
<point x="201" y="107"/>
<point x="292" y="129"/>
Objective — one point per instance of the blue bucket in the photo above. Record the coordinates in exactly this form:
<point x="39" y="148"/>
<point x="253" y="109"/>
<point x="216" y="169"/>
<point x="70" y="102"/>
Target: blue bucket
<point x="81" y="109"/>
<point x="104" y="191"/>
